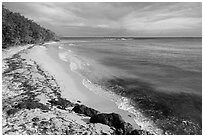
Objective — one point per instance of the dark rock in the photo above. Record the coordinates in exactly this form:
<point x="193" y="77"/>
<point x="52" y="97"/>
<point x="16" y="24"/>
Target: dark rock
<point x="135" y="132"/>
<point x="34" y="124"/>
<point x="81" y="109"/>
<point x="119" y="131"/>
<point x="140" y="132"/>
<point x="27" y="104"/>
<point x="12" y="111"/>
<point x="61" y="103"/>
<point x="78" y="101"/>
<point x="31" y="104"/>
<point x="113" y="120"/>
<point x="127" y="128"/>
<point x="44" y="123"/>
<point x="35" y="119"/>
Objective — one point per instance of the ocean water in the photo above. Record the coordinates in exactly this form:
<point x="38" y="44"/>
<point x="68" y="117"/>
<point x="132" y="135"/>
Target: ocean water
<point x="160" y="77"/>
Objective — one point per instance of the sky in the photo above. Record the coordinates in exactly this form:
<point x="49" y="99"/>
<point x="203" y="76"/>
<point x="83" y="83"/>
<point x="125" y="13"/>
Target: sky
<point x="115" y="19"/>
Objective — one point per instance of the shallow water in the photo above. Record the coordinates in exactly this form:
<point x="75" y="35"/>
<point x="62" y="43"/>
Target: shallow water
<point x="161" y="77"/>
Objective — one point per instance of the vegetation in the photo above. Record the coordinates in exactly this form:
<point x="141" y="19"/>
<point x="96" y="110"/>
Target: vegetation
<point x="16" y="29"/>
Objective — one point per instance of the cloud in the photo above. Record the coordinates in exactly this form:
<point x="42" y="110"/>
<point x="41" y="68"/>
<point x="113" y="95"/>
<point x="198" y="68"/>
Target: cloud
<point x="161" y="21"/>
<point x="115" y="18"/>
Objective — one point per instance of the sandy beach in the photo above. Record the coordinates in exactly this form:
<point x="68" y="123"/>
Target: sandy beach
<point x="71" y="84"/>
<point x="39" y="87"/>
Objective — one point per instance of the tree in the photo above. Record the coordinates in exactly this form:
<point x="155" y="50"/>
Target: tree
<point x="16" y="29"/>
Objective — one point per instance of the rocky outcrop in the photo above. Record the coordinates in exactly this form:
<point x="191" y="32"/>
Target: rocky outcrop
<point x="82" y="109"/>
<point x="139" y="132"/>
<point x="113" y="120"/>
<point x="61" y="103"/>
<point x="116" y="121"/>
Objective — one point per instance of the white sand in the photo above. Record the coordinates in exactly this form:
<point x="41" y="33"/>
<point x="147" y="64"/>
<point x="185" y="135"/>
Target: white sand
<point x="71" y="84"/>
<point x="65" y="82"/>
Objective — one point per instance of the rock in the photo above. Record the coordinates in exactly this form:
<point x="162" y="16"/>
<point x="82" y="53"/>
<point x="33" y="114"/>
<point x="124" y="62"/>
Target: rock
<point x="135" y="132"/>
<point x="12" y="111"/>
<point x="61" y="103"/>
<point x="113" y="120"/>
<point x="31" y="104"/>
<point x="35" y="119"/>
<point x="82" y="109"/>
<point x="127" y="128"/>
<point x="140" y="132"/>
<point x="78" y="101"/>
<point x="119" y="131"/>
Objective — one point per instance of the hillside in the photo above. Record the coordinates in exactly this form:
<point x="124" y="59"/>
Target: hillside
<point x="16" y="29"/>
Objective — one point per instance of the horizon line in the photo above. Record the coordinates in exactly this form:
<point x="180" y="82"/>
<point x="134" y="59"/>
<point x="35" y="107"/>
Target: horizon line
<point x="131" y="36"/>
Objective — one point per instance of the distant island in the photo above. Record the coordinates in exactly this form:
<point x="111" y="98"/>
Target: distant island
<point x="17" y="29"/>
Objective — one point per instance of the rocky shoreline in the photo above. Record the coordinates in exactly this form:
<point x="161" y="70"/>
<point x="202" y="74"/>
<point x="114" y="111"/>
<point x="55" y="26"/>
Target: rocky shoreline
<point x="32" y="104"/>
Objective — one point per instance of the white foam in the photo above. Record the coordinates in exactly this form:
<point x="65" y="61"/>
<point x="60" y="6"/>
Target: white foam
<point x="73" y="66"/>
<point x="72" y="44"/>
<point x="75" y="62"/>
<point x="63" y="56"/>
<point x="60" y="47"/>
<point x="70" y="51"/>
<point x="47" y="43"/>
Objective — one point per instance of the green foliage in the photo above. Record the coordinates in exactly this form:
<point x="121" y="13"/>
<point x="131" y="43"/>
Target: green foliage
<point x="16" y="29"/>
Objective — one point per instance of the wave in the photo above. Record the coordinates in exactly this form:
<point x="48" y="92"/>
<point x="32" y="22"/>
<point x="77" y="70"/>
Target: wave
<point x="73" y="66"/>
<point x="72" y="44"/>
<point x="48" y="43"/>
<point x="63" y="56"/>
<point x="60" y="47"/>
<point x="73" y="59"/>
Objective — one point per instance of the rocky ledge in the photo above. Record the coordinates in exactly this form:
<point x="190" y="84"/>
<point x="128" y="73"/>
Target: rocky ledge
<point x="32" y="105"/>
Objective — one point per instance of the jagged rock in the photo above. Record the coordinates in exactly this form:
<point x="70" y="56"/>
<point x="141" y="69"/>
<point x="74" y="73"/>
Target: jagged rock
<point x="61" y="103"/>
<point x="139" y="132"/>
<point x="113" y="120"/>
<point x="82" y="109"/>
<point x="127" y="128"/>
<point x="78" y="101"/>
<point x="35" y="119"/>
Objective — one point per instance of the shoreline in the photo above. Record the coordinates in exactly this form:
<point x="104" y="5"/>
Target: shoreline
<point x="102" y="100"/>
<point x="28" y="99"/>
<point x="37" y="80"/>
<point x="150" y="121"/>
<point x="74" y="81"/>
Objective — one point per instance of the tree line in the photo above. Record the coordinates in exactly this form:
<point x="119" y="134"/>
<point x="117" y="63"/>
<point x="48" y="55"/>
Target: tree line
<point x="16" y="29"/>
